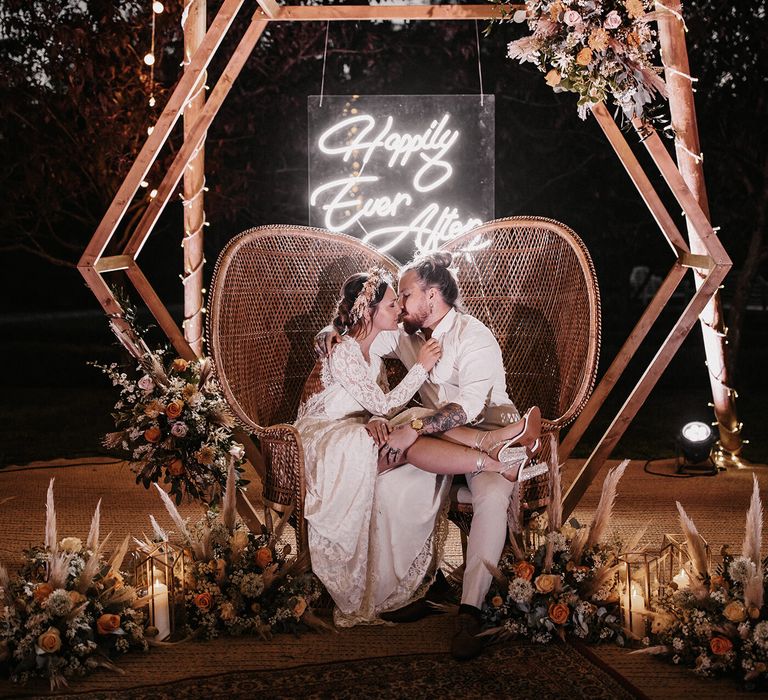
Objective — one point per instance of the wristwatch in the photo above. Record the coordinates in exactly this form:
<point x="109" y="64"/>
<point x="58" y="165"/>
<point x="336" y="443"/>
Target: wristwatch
<point x="417" y="424"/>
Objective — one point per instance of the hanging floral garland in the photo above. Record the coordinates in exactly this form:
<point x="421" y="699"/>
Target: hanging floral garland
<point x="593" y="48"/>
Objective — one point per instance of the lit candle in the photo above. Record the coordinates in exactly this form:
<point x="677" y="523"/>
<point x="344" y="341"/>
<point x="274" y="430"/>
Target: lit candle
<point x="682" y="580"/>
<point x="637" y="622"/>
<point x="161" y="618"/>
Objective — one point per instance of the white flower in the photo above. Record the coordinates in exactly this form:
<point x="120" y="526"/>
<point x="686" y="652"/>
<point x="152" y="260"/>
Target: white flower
<point x="71" y="544"/>
<point x="571" y="18"/>
<point x="558" y="541"/>
<point x="146" y="383"/>
<point x="760" y="633"/>
<point x="741" y="569"/>
<point x="520" y="590"/>
<point x="678" y="644"/>
<point x="237" y="450"/>
<point x="612" y="20"/>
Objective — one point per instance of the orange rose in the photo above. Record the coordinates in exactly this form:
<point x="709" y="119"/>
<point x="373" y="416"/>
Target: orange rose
<point x="152" y="434"/>
<point x="50" y="641"/>
<point x="754" y="612"/>
<point x="559" y="613"/>
<point x="720" y="645"/>
<point x="76" y="598"/>
<point x="300" y="607"/>
<point x="584" y="56"/>
<point x="718" y="582"/>
<point x="263" y="557"/>
<point x="173" y="409"/>
<point x="735" y="611"/>
<point x="523" y="570"/>
<point x="553" y="78"/>
<point x="546" y="583"/>
<point x="497" y="601"/>
<point x="176" y="468"/>
<point x="179" y="365"/>
<point x="204" y="601"/>
<point x="42" y="591"/>
<point x="107" y="624"/>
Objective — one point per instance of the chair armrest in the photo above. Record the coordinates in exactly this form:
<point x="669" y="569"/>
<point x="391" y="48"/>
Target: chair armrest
<point x="284" y="485"/>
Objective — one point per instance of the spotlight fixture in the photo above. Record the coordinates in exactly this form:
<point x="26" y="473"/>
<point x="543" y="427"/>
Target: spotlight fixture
<point x="695" y="441"/>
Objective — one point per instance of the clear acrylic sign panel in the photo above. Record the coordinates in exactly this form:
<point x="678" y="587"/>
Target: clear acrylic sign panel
<point x="401" y="172"/>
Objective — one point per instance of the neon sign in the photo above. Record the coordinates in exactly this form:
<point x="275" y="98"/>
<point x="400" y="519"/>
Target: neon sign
<point x="403" y="173"/>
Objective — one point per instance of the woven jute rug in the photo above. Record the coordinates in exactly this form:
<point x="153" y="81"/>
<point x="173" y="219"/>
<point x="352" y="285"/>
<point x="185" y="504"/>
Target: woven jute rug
<point x="382" y="661"/>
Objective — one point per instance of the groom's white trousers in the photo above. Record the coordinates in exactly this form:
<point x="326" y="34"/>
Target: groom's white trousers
<point x="489" y="494"/>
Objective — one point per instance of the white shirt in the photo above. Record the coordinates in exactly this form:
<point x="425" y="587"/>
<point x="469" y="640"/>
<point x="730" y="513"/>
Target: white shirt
<point x="470" y="371"/>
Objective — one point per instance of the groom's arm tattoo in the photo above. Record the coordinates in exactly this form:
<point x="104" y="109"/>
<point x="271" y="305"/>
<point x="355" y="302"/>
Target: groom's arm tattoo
<point x="449" y="416"/>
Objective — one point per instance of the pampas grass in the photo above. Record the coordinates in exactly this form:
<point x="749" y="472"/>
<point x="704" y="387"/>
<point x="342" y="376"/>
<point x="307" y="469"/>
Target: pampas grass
<point x="605" y="506"/>
<point x="92" y="542"/>
<point x="555" y="507"/>
<point x="696" y="551"/>
<point x="754" y="527"/>
<point x="51" y="537"/>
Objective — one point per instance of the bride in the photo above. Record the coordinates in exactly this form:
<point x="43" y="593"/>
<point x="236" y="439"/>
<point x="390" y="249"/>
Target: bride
<point x="376" y="532"/>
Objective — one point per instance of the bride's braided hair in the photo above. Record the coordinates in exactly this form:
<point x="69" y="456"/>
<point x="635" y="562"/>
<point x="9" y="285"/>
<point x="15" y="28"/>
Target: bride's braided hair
<point x="361" y="290"/>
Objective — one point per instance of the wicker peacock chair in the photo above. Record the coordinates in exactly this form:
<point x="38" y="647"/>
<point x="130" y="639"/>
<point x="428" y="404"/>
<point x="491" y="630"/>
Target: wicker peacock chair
<point x="273" y="289"/>
<point x="530" y="280"/>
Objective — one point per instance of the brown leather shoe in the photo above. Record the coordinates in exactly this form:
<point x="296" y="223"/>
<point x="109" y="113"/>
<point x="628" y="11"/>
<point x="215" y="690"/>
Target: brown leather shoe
<point x="466" y="644"/>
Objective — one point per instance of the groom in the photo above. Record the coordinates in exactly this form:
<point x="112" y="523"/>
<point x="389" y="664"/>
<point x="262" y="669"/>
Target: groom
<point x="467" y="386"/>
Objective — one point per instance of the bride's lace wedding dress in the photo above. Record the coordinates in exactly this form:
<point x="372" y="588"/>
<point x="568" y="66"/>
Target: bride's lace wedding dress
<point x="373" y="537"/>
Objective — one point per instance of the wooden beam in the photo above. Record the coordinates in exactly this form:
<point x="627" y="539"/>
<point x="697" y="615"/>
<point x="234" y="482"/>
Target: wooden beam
<point x="160" y="133"/>
<point x="622" y="359"/>
<point x="643" y="388"/>
<point x="355" y="13"/>
<point x="693" y="211"/>
<point x="113" y="263"/>
<point x="639" y="178"/>
<point x="270" y="8"/>
<point x="195" y="136"/>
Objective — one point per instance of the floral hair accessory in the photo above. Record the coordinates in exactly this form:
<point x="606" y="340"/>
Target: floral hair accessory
<point x="367" y="293"/>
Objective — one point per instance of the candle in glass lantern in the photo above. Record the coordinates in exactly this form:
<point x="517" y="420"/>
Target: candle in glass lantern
<point x="637" y="604"/>
<point x="682" y="580"/>
<point x="161" y="618"/>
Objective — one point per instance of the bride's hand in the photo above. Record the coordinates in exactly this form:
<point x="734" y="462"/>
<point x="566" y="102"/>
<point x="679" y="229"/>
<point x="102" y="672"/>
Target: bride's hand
<point x="379" y="430"/>
<point x="429" y="354"/>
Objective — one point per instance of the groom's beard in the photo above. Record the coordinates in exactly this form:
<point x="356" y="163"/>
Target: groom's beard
<point x="415" y="321"/>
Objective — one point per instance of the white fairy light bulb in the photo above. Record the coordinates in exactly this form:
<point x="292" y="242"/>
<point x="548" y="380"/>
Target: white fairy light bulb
<point x="153" y="194"/>
<point x="157" y="7"/>
<point x="144" y="183"/>
<point x="149" y="59"/>
<point x="152" y="101"/>
<point x="150" y="129"/>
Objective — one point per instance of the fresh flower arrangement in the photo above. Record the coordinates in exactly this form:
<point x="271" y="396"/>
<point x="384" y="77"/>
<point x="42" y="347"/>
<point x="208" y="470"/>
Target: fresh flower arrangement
<point x="719" y="623"/>
<point x="563" y="585"/>
<point x="68" y="610"/>
<point x="241" y="582"/>
<point x="174" y="425"/>
<point x="594" y="48"/>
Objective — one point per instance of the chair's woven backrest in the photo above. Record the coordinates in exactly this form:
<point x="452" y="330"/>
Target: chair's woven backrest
<point x="273" y="288"/>
<point x="532" y="282"/>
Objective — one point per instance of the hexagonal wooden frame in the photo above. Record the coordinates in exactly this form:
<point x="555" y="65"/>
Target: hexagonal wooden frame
<point x="714" y="265"/>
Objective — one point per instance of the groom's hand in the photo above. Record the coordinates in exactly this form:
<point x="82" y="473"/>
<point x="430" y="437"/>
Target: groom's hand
<point x="379" y="430"/>
<point x="325" y="340"/>
<point x="400" y="439"/>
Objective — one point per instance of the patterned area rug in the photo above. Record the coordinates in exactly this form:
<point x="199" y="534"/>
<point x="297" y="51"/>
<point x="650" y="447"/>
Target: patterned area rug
<point x="509" y="670"/>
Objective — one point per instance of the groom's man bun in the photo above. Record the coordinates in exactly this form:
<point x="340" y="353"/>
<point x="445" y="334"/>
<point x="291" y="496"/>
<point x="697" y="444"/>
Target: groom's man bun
<point x="434" y="270"/>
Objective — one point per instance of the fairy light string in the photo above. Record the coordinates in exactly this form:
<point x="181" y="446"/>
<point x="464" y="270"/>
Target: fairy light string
<point x="719" y="328"/>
